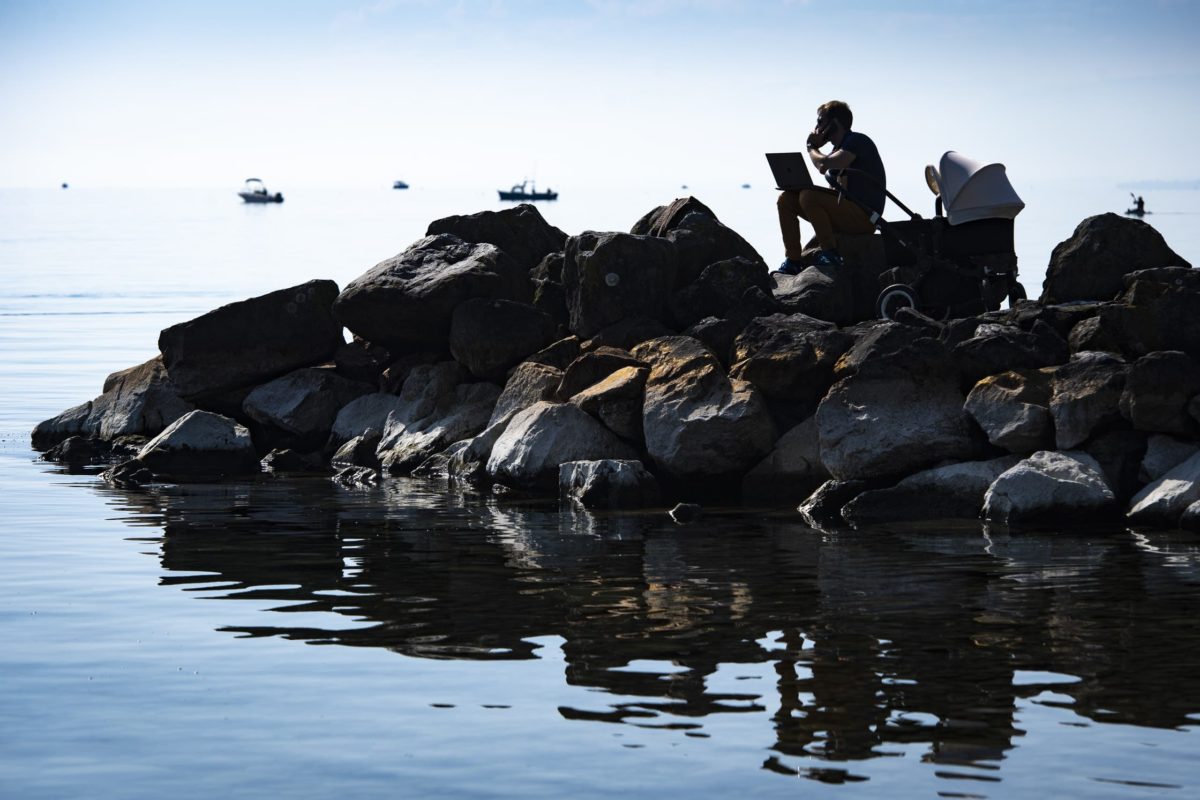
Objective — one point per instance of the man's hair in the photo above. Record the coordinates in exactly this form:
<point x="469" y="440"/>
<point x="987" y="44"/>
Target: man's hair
<point x="837" y="110"/>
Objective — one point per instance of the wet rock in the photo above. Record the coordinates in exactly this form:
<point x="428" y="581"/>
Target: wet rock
<point x="685" y="513"/>
<point x="520" y="231"/>
<point x="1190" y="520"/>
<point x="1013" y="410"/>
<point x="490" y="336"/>
<point x="302" y="405"/>
<point x="609" y="484"/>
<point x="609" y="277"/>
<point x="246" y="343"/>
<point x="894" y="416"/>
<point x="824" y="506"/>
<point x="78" y="451"/>
<point x="366" y="412"/>
<point x="1157" y="391"/>
<point x="1163" y="453"/>
<point x="200" y="444"/>
<point x="699" y="424"/>
<point x="1164" y="501"/>
<point x="361" y="451"/>
<point x="592" y="367"/>
<point x="791" y="472"/>
<point x="285" y="460"/>
<point x="358" y="477"/>
<point x="617" y="402"/>
<point x="719" y="287"/>
<point x="529" y="383"/>
<point x="954" y="491"/>
<point x="141" y="400"/>
<point x="1067" y="485"/>
<point x="1103" y="249"/>
<point x="1120" y="454"/>
<point x="407" y="301"/>
<point x="409" y="439"/>
<point x="544" y="436"/>
<point x="362" y="361"/>
<point x="128" y="474"/>
<point x="1085" y="395"/>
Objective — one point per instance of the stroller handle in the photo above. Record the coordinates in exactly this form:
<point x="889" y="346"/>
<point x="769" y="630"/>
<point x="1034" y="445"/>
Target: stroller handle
<point x="837" y="173"/>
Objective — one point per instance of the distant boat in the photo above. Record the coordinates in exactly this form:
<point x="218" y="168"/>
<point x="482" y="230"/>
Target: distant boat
<point x="519" y="192"/>
<point x="1136" y="212"/>
<point x="255" y="192"/>
<point x="745" y="186"/>
<point x="399" y="185"/>
<point x="64" y="184"/>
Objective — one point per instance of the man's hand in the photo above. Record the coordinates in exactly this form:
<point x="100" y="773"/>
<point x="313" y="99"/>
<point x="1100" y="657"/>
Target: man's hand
<point x="816" y="139"/>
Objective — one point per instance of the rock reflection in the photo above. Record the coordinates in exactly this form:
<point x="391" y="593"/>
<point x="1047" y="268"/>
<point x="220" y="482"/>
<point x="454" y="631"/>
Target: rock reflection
<point x="878" y="639"/>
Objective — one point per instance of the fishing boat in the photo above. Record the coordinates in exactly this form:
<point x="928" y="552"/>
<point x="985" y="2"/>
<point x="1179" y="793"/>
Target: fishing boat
<point x="256" y="192"/>
<point x="399" y="185"/>
<point x="520" y="192"/>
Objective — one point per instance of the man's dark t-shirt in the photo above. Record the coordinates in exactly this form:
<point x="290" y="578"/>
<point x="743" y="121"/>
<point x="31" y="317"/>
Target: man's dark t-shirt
<point x="866" y="158"/>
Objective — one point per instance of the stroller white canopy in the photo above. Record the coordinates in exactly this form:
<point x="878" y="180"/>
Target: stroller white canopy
<point x="973" y="190"/>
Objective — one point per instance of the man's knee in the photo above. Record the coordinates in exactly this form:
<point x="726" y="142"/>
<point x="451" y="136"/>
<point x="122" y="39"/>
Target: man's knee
<point x="810" y="200"/>
<point x="789" y="202"/>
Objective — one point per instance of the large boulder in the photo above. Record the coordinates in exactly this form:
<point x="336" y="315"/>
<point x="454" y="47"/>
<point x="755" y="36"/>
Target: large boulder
<point x="362" y="414"/>
<point x="251" y="341"/>
<point x="302" y="405"/>
<point x="997" y="348"/>
<point x="895" y="415"/>
<point x="719" y="287"/>
<point x="609" y="277"/>
<point x="791" y="471"/>
<point x="1165" y="500"/>
<point x="200" y="444"/>
<point x="1164" y="453"/>
<point x="955" y="491"/>
<point x="1157" y="391"/>
<point x="520" y="231"/>
<point x="608" y="484"/>
<point x="409" y="440"/>
<point x="1155" y="315"/>
<point x="1013" y="409"/>
<point x="700" y="239"/>
<point x="538" y="440"/>
<point x="1085" y="396"/>
<point x="139" y="401"/>
<point x="529" y="383"/>
<point x="823" y="292"/>
<point x="700" y="426"/>
<point x="1049" y="484"/>
<point x="1120" y="454"/>
<point x="592" y="367"/>
<point x="490" y="336"/>
<point x="789" y="357"/>
<point x="1103" y="249"/>
<point x="617" y="401"/>
<point x="407" y="301"/>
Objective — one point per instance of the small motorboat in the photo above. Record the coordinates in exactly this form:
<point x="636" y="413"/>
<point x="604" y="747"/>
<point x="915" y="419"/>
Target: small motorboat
<point x="256" y="192"/>
<point x="520" y="192"/>
<point x="399" y="185"/>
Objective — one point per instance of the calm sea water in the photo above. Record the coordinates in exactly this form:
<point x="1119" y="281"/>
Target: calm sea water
<point x="294" y="638"/>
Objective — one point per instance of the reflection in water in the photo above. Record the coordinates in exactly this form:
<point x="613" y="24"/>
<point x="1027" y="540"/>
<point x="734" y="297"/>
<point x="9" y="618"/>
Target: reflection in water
<point x="868" y="639"/>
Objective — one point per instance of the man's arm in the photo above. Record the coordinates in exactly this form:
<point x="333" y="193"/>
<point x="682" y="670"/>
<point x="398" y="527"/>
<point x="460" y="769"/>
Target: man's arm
<point x="838" y="159"/>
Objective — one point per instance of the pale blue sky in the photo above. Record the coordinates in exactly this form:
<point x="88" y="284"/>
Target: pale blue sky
<point x="319" y="92"/>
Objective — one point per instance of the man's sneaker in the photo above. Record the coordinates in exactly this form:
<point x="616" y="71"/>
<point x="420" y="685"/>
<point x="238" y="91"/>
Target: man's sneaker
<point x="828" y="258"/>
<point x="789" y="267"/>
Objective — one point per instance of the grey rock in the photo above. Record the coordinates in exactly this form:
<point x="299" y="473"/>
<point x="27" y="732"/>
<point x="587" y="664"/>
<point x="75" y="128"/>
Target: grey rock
<point x="1085" y="395"/>
<point x="246" y="343"/>
<point x="364" y="413"/>
<point x="1165" y="499"/>
<point x="954" y="491"/>
<point x="1013" y="410"/>
<point x="791" y="472"/>
<point x="592" y="367"/>
<point x="546" y="435"/>
<point x="1164" y="453"/>
<point x="460" y="414"/>
<point x="361" y="451"/>
<point x="609" y="277"/>
<point x="1157" y="391"/>
<point x="1049" y="484"/>
<point x="719" y="287"/>
<point x="609" y="484"/>
<point x="490" y="336"/>
<point x="200" y="444"/>
<point x="823" y="507"/>
<point x="529" y="383"/>
<point x="520" y="231"/>
<point x="617" y="402"/>
<point x="303" y="404"/>
<point x="686" y="513"/>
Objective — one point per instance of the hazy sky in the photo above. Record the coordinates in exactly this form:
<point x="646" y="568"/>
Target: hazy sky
<point x="321" y="92"/>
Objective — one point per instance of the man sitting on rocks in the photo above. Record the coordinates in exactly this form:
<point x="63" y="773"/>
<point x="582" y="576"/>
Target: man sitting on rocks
<point x="829" y="212"/>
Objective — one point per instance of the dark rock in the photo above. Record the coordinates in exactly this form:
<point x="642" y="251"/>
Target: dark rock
<point x="292" y="461"/>
<point x="406" y="302"/>
<point x="358" y="477"/>
<point x="251" y="341"/>
<point x="1120" y="455"/>
<point x="558" y="355"/>
<point x="140" y="400"/>
<point x="790" y="472"/>
<point x="1157" y="391"/>
<point x="1164" y="453"/>
<point x="78" y="451"/>
<point x="1085" y="396"/>
<point x="685" y="513"/>
<point x="1155" y="316"/>
<point x="361" y="451"/>
<point x="954" y="491"/>
<point x="1164" y="501"/>
<point x="1183" y="278"/>
<point x="300" y="407"/>
<point x="1062" y="318"/>
<point x="610" y="277"/>
<point x="520" y="231"/>
<point x="608" y="484"/>
<point x="1103" y="249"/>
<point x="490" y="336"/>
<point x="128" y="474"/>
<point x="880" y="341"/>
<point x="700" y="239"/>
<point x="549" y="268"/>
<point x="789" y="357"/>
<point x="592" y="367"/>
<point x="1013" y="410"/>
<point x="627" y="334"/>
<point x="361" y="361"/>
<point x="718" y="335"/>
<point x="824" y="506"/>
<point x="1092" y="334"/>
<point x="822" y="292"/>
<point x="719" y="287"/>
<point x="529" y="383"/>
<point x="998" y="348"/>
<point x="1190" y="520"/>
<point x="550" y="297"/>
<point x="915" y="319"/>
<point x="396" y="373"/>
<point x="410" y="437"/>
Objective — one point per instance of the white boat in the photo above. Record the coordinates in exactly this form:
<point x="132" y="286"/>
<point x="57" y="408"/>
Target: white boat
<point x="256" y="192"/>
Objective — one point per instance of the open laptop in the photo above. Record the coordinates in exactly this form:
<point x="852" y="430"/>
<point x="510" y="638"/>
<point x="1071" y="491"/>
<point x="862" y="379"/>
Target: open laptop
<point x="790" y="170"/>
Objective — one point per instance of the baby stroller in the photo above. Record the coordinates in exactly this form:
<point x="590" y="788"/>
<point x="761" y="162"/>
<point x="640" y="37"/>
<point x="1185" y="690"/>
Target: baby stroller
<point x="958" y="264"/>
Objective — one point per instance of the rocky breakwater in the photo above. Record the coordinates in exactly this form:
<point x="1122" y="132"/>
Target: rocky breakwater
<point x="637" y="369"/>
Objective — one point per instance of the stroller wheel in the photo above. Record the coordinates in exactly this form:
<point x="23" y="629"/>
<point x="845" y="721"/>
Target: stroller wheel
<point x="894" y="298"/>
<point x="1016" y="292"/>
